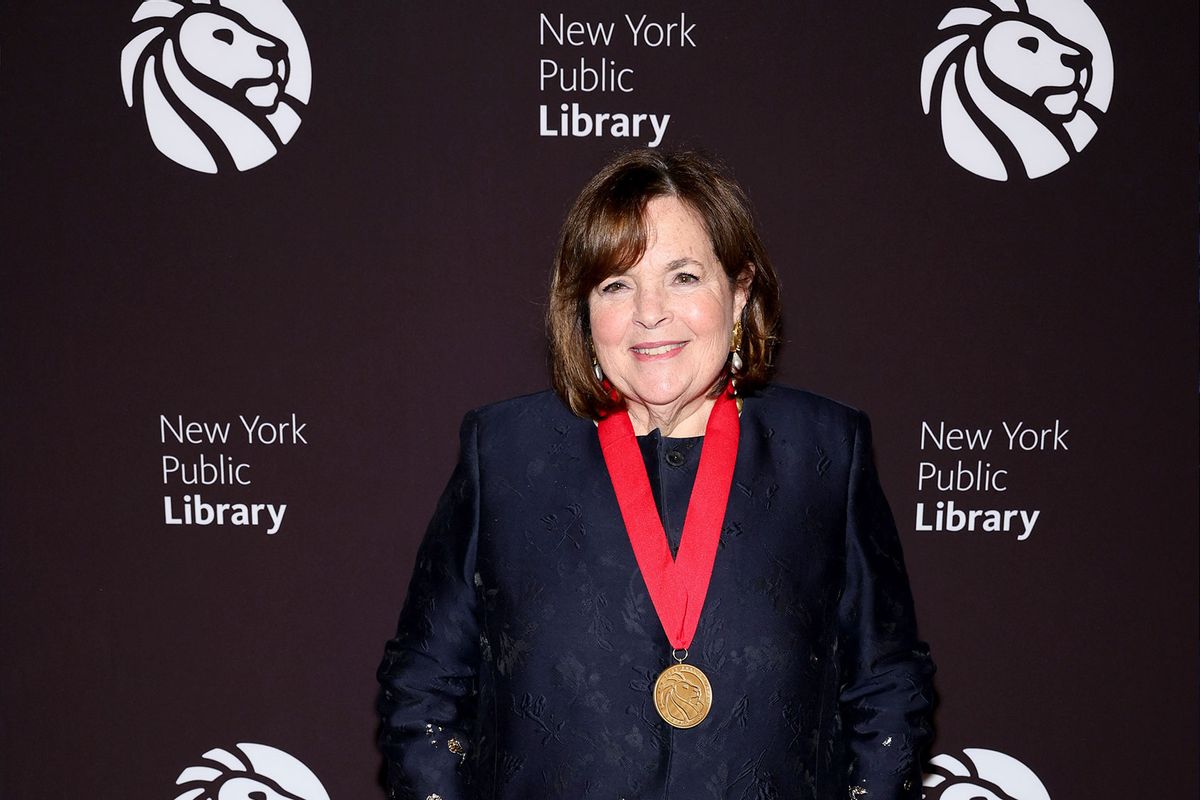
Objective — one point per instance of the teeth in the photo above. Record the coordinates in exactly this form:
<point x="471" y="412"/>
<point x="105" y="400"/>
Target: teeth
<point x="657" y="351"/>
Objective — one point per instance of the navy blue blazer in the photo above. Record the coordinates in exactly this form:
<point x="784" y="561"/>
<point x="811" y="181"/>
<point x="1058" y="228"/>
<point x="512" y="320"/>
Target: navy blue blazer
<point x="524" y="659"/>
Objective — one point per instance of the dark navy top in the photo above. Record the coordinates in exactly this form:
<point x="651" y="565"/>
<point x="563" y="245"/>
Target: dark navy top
<point x="671" y="465"/>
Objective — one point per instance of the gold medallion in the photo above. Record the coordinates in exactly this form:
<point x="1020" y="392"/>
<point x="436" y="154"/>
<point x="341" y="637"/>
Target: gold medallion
<point x="682" y="695"/>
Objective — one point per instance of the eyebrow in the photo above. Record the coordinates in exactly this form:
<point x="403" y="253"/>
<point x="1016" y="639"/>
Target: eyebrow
<point x="682" y="262"/>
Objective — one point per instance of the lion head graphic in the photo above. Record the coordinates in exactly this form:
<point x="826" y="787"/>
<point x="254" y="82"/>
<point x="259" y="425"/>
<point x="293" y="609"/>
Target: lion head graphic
<point x="213" y="85"/>
<point x="681" y="698"/>
<point x="1011" y="91"/>
<point x="249" y="772"/>
<point x="979" y="774"/>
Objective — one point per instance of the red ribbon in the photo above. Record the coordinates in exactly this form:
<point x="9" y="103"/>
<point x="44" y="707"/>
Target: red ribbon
<point x="677" y="586"/>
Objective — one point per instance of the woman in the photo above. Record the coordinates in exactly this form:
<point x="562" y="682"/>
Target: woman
<point x="667" y="578"/>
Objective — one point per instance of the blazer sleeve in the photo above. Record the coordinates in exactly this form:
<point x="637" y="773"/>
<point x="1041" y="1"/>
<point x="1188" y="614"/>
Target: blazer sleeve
<point x="886" y="692"/>
<point x="428" y="674"/>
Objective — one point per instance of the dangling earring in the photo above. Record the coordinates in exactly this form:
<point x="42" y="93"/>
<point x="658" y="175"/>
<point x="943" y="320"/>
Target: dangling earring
<point x="599" y="373"/>
<point x="735" y="344"/>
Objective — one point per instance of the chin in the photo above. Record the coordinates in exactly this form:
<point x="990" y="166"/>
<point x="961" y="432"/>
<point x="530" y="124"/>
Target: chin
<point x="661" y="387"/>
<point x="666" y="395"/>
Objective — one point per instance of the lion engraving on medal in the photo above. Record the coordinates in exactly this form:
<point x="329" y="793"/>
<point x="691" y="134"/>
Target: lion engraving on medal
<point x="683" y="696"/>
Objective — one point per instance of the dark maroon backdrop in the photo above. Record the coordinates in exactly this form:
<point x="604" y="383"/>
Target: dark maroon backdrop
<point x="386" y="272"/>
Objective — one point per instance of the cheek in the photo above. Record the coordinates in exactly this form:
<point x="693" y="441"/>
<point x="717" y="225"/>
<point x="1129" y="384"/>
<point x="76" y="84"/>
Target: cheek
<point x="711" y="320"/>
<point x="605" y="322"/>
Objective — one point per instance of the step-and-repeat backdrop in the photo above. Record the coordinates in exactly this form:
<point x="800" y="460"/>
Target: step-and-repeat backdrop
<point x="260" y="256"/>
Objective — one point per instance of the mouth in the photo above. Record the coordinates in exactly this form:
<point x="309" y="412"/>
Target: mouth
<point x="649" y="351"/>
<point x="1062" y="103"/>
<point x="263" y="95"/>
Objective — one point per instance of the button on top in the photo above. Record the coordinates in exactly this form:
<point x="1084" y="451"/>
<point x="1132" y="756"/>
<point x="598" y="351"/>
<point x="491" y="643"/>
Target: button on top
<point x="675" y="458"/>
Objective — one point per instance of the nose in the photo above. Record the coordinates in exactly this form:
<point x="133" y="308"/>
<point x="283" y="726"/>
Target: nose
<point x="272" y="51"/>
<point x="651" y="308"/>
<point x="1077" y="61"/>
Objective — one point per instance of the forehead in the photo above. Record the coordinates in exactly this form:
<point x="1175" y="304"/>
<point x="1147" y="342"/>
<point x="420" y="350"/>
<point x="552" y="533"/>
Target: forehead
<point x="620" y="240"/>
<point x="672" y="225"/>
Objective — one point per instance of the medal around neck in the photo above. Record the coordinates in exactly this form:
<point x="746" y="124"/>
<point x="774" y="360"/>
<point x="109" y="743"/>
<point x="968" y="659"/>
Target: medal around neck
<point x="682" y="695"/>
<point x="677" y="586"/>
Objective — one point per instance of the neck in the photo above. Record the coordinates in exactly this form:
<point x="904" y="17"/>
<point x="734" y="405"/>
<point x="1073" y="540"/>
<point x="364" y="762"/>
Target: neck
<point x="679" y="419"/>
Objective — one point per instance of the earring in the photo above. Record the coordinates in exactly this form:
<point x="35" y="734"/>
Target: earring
<point x="735" y="344"/>
<point x="599" y="373"/>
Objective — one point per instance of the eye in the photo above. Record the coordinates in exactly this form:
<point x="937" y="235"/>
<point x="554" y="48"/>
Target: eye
<point x="612" y="287"/>
<point x="686" y="277"/>
<point x="1030" y="43"/>
<point x="223" y="35"/>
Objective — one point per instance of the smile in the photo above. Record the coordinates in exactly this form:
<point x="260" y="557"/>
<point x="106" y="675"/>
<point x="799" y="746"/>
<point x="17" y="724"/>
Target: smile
<point x="656" y="350"/>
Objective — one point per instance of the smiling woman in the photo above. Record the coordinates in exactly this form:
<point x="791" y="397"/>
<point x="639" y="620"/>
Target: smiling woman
<point x="595" y="611"/>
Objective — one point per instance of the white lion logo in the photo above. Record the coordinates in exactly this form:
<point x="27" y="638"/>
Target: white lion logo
<point x="1013" y="93"/>
<point x="979" y="774"/>
<point x="254" y="772"/>
<point x="217" y="90"/>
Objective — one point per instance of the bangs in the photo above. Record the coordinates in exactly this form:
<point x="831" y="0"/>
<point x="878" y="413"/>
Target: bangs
<point x="612" y="242"/>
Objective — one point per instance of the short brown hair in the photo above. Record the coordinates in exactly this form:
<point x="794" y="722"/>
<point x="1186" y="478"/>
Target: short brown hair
<point x="605" y="234"/>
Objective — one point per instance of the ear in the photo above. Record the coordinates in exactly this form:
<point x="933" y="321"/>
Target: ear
<point x="741" y="289"/>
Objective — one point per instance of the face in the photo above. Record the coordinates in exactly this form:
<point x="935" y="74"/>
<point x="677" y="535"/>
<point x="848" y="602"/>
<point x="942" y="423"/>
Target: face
<point x="241" y="58"/>
<point x="1039" y="63"/>
<point x="662" y="328"/>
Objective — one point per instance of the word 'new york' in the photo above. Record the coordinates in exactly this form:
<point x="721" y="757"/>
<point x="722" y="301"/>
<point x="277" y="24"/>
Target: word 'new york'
<point x="1019" y="437"/>
<point x="258" y="431"/>
<point x="646" y="33"/>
